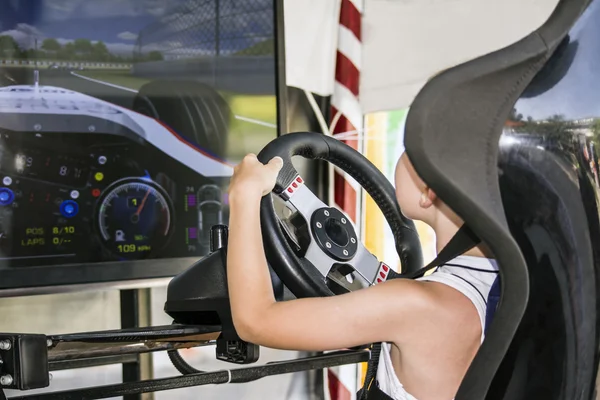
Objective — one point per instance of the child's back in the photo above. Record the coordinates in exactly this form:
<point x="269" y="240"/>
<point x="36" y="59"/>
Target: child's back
<point x="437" y="359"/>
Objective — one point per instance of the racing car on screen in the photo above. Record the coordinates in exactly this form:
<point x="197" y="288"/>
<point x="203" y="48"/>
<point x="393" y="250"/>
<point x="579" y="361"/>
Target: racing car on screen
<point x="131" y="182"/>
<point x="37" y="108"/>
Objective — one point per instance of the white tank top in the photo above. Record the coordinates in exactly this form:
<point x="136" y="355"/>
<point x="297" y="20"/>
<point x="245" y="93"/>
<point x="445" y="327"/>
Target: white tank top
<point x="473" y="277"/>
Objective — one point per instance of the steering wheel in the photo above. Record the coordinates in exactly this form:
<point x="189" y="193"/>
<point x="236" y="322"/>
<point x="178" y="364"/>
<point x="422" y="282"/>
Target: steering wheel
<point x="334" y="261"/>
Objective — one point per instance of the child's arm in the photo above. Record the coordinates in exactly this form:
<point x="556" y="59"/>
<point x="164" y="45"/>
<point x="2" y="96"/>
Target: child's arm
<point x="379" y="313"/>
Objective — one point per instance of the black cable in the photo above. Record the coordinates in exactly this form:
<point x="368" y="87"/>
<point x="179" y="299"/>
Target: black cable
<point x="181" y="365"/>
<point x="372" y="366"/>
<point x="178" y="362"/>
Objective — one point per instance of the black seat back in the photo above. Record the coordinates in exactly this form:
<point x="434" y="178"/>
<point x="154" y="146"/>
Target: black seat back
<point x="550" y="190"/>
<point x="548" y="193"/>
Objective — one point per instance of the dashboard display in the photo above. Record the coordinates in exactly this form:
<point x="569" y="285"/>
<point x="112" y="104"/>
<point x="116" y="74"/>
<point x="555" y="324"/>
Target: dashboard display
<point x="134" y="218"/>
<point x="120" y="126"/>
<point x="35" y="164"/>
<point x="130" y="202"/>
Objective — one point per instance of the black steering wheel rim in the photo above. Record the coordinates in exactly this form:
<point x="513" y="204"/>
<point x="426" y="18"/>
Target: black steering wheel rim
<point x="298" y="274"/>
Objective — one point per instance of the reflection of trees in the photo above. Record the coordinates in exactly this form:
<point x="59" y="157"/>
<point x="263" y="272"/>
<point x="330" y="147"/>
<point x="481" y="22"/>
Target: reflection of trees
<point x="81" y="50"/>
<point x="556" y="125"/>
<point x="514" y="116"/>
<point x="596" y="130"/>
<point x="581" y="136"/>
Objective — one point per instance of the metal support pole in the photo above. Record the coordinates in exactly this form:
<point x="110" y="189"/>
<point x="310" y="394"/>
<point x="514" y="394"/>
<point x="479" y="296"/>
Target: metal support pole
<point x="135" y="313"/>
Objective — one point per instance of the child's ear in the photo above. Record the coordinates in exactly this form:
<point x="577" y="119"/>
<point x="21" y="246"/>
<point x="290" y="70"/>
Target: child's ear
<point x="427" y="198"/>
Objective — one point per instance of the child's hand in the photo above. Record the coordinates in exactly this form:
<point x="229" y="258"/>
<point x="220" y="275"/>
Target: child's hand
<point x="253" y="176"/>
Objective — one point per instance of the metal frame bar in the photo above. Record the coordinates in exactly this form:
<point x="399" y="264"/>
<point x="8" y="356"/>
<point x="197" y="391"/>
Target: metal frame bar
<point x="239" y="375"/>
<point x="77" y="351"/>
<point x="92" y="362"/>
<point x="130" y="319"/>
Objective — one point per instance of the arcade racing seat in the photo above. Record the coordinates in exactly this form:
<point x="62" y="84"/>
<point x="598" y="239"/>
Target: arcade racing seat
<point x="509" y="142"/>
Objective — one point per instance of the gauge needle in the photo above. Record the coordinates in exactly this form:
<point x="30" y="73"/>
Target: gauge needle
<point x="141" y="207"/>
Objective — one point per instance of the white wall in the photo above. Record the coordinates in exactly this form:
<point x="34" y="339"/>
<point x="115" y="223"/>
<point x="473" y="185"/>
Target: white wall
<point x="406" y="42"/>
<point x="65" y="313"/>
<point x="90" y="311"/>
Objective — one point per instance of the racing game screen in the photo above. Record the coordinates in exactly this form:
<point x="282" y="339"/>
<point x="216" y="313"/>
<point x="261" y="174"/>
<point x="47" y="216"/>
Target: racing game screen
<point x="121" y="120"/>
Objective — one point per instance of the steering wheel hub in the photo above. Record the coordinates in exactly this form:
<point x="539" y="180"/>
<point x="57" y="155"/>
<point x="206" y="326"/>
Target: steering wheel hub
<point x="334" y="235"/>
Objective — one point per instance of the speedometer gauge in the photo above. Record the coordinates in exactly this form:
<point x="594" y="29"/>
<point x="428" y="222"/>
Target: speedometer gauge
<point x="134" y="218"/>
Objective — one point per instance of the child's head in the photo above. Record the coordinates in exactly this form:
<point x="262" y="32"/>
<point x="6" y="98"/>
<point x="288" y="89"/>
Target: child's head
<point x="417" y="201"/>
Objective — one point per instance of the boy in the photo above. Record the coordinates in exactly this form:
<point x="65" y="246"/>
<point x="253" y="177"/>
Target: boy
<point x="417" y="360"/>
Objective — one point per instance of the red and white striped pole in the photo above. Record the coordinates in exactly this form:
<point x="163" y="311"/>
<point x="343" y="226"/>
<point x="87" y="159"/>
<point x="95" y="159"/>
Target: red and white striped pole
<point x="347" y="117"/>
<point x="347" y="125"/>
